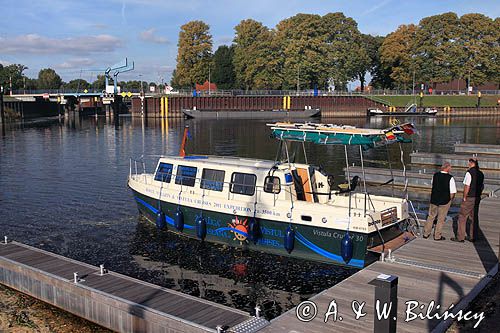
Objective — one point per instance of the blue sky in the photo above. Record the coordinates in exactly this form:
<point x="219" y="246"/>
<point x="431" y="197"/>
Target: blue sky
<point x="73" y="35"/>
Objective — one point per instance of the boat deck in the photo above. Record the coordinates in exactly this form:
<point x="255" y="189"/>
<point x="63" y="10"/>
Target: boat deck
<point x="442" y="271"/>
<point x="115" y="301"/>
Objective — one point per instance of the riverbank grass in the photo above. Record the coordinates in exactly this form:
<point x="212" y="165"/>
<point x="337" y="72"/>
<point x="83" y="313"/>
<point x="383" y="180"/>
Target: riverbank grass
<point x="438" y="100"/>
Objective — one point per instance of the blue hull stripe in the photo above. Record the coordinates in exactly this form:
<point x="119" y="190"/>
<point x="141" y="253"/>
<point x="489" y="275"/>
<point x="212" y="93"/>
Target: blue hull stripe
<point x="300" y="238"/>
<point x="168" y="219"/>
<point x="233" y="230"/>
<point x="326" y="254"/>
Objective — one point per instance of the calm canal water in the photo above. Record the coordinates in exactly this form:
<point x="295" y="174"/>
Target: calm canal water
<point x="63" y="189"/>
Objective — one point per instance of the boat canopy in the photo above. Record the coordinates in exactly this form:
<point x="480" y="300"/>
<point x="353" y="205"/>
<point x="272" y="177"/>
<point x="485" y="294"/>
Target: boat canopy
<point x="330" y="134"/>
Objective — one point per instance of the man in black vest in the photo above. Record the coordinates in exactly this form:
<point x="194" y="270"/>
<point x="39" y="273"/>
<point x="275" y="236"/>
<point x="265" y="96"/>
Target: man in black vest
<point x="469" y="209"/>
<point x="443" y="192"/>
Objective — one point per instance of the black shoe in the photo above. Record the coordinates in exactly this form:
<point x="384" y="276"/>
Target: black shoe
<point x="425" y="237"/>
<point x="439" y="239"/>
<point x="453" y="239"/>
<point x="472" y="240"/>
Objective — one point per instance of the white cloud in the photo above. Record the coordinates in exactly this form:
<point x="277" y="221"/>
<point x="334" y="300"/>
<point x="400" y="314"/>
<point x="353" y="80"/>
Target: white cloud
<point x="5" y="62"/>
<point x="150" y="36"/>
<point x="76" y="63"/>
<point x="80" y="45"/>
<point x="375" y="7"/>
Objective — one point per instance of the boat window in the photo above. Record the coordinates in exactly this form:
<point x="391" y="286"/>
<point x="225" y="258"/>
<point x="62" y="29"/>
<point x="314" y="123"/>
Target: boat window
<point x="272" y="184"/>
<point x="164" y="172"/>
<point x="306" y="218"/>
<point x="212" y="179"/>
<point x="243" y="183"/>
<point x="186" y="175"/>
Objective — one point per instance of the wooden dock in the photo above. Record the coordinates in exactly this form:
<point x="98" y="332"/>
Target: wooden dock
<point x="113" y="300"/>
<point x="441" y="271"/>
<point x="473" y="148"/>
<point x="422" y="179"/>
<point x="486" y="161"/>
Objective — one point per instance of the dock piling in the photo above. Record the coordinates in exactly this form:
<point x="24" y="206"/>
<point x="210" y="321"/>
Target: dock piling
<point x="101" y="269"/>
<point x="386" y="296"/>
<point x="257" y="311"/>
<point x="75" y="277"/>
<point x="5" y="239"/>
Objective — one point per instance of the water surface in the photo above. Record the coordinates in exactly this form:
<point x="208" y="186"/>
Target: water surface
<point x="63" y="189"/>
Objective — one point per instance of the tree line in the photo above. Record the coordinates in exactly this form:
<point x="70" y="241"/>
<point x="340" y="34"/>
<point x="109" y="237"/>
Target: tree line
<point x="309" y="51"/>
<point x="49" y="79"/>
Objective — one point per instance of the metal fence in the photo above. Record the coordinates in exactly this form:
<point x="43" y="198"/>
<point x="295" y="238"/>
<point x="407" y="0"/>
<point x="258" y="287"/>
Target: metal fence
<point x="216" y="93"/>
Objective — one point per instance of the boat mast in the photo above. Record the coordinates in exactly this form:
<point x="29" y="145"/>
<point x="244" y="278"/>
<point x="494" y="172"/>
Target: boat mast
<point x="182" y="151"/>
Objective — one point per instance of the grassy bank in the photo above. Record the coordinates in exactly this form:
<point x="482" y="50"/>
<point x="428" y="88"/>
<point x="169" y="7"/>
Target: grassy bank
<point x="439" y="101"/>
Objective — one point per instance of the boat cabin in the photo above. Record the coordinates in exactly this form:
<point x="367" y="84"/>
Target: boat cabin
<point x="241" y="178"/>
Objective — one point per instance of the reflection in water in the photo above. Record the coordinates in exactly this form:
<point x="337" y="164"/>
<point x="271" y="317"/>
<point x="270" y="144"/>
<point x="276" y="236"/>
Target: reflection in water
<point x="63" y="189"/>
<point x="230" y="276"/>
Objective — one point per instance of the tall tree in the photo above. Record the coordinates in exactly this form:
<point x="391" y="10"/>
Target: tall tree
<point x="397" y="54"/>
<point x="49" y="79"/>
<point x="344" y="53"/>
<point x="256" y="62"/>
<point x="302" y="41"/>
<point x="380" y="75"/>
<point x="436" y="48"/>
<point x="223" y="69"/>
<point x="193" y="55"/>
<point x="479" y="49"/>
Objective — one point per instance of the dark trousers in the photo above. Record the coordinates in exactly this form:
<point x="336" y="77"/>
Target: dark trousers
<point x="469" y="210"/>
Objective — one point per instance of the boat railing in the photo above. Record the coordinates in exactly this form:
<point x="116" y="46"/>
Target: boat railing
<point x="138" y="173"/>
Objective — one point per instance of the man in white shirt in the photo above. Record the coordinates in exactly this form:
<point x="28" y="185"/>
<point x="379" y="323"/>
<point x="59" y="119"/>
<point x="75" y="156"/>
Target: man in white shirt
<point x="469" y="209"/>
<point x="443" y="192"/>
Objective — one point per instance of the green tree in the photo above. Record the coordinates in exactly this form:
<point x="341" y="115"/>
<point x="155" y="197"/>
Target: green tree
<point x="31" y="84"/>
<point x="380" y="75"/>
<point x="223" y="69"/>
<point x="77" y="85"/>
<point x="436" y="49"/>
<point x="302" y="41"/>
<point x="479" y="49"/>
<point x="100" y="83"/>
<point x="345" y="56"/>
<point x="132" y="85"/>
<point x="193" y="55"/>
<point x="12" y="73"/>
<point x="397" y="54"/>
<point x="256" y="61"/>
<point x="49" y="79"/>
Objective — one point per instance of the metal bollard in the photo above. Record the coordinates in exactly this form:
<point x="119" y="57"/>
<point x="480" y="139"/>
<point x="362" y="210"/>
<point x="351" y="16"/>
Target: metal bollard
<point x="389" y="255"/>
<point x="101" y="268"/>
<point x="219" y="329"/>
<point x="75" y="277"/>
<point x="257" y="311"/>
<point x="382" y="257"/>
<point x="5" y="239"/>
<point x="386" y="294"/>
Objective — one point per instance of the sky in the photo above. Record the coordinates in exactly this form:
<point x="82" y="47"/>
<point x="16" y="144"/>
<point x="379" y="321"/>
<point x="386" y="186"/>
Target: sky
<point x="81" y="38"/>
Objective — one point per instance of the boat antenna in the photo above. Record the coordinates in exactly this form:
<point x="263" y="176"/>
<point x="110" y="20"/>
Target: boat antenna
<point x="364" y="176"/>
<point x="182" y="151"/>
<point x="390" y="168"/>
<point x="348" y="184"/>
<point x="404" y="170"/>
